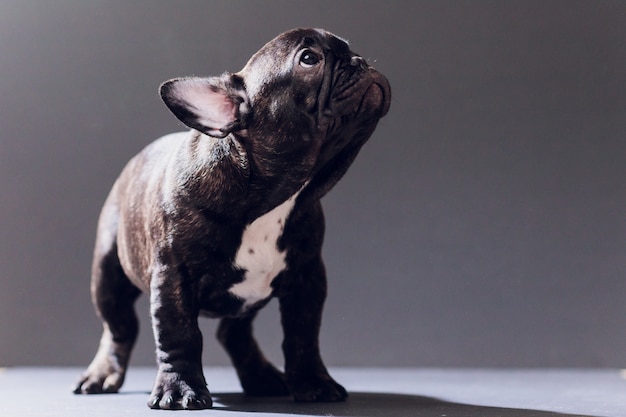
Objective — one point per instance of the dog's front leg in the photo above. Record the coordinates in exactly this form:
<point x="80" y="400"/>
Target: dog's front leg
<point x="301" y="305"/>
<point x="180" y="383"/>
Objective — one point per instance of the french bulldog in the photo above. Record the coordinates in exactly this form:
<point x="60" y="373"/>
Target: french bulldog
<point x="217" y="220"/>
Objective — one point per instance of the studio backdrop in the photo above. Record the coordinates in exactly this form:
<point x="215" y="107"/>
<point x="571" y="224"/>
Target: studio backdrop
<point x="483" y="224"/>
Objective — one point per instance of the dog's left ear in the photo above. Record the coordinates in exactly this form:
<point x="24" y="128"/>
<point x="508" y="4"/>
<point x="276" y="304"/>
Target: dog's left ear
<point x="215" y="106"/>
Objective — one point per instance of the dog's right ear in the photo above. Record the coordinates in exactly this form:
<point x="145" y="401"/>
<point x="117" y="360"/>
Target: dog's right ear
<point x="215" y="106"/>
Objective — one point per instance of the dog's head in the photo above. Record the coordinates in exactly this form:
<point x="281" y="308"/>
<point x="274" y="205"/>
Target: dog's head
<point x="304" y="94"/>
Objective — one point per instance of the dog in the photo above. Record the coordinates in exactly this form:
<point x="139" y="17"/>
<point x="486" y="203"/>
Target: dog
<point x="218" y="220"/>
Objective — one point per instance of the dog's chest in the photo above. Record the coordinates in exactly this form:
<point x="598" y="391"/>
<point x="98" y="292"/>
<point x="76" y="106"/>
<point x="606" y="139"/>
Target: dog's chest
<point x="259" y="256"/>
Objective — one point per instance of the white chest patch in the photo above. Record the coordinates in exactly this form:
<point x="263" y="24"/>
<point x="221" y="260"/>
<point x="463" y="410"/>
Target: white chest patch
<point x="259" y="256"/>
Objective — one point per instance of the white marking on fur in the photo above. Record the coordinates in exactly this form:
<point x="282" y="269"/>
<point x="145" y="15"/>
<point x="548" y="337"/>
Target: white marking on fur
<point x="259" y="256"/>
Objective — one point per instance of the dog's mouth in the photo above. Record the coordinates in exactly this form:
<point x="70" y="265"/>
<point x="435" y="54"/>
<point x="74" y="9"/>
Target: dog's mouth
<point x="377" y="97"/>
<point x="366" y="96"/>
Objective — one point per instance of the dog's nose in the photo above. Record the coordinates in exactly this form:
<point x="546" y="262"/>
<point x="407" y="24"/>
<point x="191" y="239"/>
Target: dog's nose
<point x="357" y="61"/>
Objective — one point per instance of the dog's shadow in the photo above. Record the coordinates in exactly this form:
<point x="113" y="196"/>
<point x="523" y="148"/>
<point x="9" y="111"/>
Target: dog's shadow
<point x="366" y="404"/>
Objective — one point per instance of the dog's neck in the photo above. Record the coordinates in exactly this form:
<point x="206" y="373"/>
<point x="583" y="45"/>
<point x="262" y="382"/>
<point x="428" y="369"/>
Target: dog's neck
<point x="260" y="178"/>
<point x="274" y="174"/>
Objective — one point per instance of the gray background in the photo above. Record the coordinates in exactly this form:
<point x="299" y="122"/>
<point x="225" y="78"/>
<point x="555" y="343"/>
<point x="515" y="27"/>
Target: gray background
<point x="482" y="225"/>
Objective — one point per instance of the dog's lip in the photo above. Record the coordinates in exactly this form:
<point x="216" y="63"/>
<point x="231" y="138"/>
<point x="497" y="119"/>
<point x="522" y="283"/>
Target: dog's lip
<point x="380" y="81"/>
<point x="365" y="95"/>
<point x="377" y="96"/>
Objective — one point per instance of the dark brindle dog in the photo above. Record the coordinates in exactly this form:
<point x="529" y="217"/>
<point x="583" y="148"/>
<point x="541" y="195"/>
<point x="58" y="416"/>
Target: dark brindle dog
<point x="217" y="220"/>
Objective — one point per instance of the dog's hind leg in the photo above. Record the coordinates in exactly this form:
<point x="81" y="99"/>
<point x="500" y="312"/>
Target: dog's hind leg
<point x="257" y="375"/>
<point x="113" y="297"/>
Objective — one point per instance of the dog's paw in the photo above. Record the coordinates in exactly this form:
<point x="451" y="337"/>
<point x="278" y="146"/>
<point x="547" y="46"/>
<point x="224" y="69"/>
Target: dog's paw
<point x="318" y="389"/>
<point x="94" y="381"/>
<point x="265" y="381"/>
<point x="172" y="392"/>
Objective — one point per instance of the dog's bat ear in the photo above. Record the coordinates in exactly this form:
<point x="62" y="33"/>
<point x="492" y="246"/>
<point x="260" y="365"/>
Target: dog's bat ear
<point x="215" y="106"/>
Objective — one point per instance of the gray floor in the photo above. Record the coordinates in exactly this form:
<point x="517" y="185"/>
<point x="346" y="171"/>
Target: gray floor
<point x="373" y="392"/>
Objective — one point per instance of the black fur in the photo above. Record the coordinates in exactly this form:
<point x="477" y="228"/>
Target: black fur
<point x="174" y="220"/>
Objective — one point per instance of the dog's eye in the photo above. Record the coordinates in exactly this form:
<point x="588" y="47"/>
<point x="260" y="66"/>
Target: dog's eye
<point x="309" y="58"/>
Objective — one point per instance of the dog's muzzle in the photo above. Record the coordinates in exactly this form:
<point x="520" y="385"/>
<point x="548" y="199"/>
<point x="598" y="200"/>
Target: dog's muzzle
<point x="377" y="97"/>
